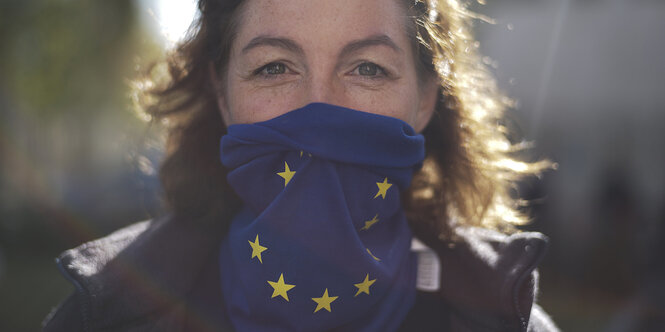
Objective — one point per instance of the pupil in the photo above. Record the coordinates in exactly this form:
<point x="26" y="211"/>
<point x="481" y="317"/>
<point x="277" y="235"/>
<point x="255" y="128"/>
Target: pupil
<point x="367" y="69"/>
<point x="275" y="69"/>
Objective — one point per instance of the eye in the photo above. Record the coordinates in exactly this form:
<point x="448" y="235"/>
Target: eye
<point x="271" y="69"/>
<point x="369" y="69"/>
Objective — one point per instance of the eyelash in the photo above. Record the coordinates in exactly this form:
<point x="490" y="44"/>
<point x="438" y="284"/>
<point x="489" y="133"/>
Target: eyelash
<point x="380" y="71"/>
<point x="262" y="71"/>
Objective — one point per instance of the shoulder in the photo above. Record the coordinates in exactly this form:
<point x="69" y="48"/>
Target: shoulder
<point x="122" y="278"/>
<point x="489" y="281"/>
<point x="89" y="258"/>
<point x="86" y="260"/>
<point x="80" y="266"/>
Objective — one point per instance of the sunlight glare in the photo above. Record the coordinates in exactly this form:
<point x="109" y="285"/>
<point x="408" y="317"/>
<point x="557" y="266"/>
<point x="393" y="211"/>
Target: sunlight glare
<point x="173" y="18"/>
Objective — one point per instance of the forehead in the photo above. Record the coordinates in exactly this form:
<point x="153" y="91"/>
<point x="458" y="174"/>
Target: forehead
<point x="323" y="21"/>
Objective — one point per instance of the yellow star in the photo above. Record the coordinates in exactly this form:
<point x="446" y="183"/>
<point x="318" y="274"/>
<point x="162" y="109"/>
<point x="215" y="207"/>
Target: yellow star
<point x="383" y="188"/>
<point x="280" y="288"/>
<point x="369" y="223"/>
<point x="257" y="249"/>
<point x="287" y="174"/>
<point x="363" y="287"/>
<point x="370" y="253"/>
<point x="324" y="301"/>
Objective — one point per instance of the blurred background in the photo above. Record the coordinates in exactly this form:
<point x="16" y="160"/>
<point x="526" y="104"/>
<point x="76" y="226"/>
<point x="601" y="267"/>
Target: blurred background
<point x="77" y="161"/>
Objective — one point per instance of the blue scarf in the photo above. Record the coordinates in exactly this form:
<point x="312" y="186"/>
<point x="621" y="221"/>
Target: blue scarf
<point x="322" y="242"/>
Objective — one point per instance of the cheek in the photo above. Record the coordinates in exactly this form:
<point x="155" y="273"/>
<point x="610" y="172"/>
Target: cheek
<point x="248" y="104"/>
<point x="400" y="102"/>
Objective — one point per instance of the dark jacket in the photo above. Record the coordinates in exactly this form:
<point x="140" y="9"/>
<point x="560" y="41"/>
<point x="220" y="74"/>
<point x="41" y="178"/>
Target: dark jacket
<point x="163" y="275"/>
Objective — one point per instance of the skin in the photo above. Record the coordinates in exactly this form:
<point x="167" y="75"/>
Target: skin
<point x="355" y="54"/>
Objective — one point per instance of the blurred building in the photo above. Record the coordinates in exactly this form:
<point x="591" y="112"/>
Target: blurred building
<point x="590" y="82"/>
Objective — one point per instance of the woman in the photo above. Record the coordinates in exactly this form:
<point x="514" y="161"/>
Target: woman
<point x="307" y="222"/>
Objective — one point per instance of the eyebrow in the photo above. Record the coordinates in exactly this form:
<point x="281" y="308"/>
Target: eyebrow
<point x="284" y="43"/>
<point x="376" y="40"/>
<point x="292" y="46"/>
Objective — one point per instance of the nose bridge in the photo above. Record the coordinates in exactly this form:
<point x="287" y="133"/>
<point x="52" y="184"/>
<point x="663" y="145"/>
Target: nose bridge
<point x="323" y="88"/>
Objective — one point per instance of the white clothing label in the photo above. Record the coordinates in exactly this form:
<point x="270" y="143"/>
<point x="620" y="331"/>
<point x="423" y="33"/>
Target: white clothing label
<point x="428" y="276"/>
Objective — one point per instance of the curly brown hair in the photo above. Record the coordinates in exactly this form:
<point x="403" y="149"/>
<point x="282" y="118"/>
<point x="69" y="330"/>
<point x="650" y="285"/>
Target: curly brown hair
<point x="470" y="163"/>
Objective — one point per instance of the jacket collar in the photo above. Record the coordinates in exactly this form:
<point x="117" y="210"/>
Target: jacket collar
<point x="487" y="278"/>
<point x="139" y="270"/>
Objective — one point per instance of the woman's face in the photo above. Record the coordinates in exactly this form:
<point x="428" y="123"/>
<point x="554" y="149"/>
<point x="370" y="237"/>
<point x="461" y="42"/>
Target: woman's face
<point x="351" y="53"/>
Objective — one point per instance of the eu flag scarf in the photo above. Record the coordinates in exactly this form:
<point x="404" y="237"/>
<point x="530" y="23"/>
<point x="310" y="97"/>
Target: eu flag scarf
<point x="322" y="242"/>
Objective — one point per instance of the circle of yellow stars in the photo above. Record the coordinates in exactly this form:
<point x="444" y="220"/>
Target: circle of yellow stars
<point x="281" y="287"/>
